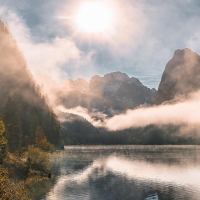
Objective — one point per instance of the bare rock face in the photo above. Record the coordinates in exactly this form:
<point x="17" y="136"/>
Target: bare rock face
<point x="115" y="91"/>
<point x="121" y="89"/>
<point x="181" y="76"/>
<point x="107" y="84"/>
<point x="111" y="82"/>
<point x="135" y="94"/>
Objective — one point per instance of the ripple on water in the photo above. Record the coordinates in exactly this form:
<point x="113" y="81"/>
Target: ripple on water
<point x="126" y="172"/>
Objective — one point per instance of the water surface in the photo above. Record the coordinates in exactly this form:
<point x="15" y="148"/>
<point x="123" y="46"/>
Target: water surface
<point x="126" y="172"/>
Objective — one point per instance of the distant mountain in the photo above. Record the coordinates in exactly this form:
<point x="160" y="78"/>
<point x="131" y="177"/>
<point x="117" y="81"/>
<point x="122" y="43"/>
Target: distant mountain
<point x="135" y="93"/>
<point x="108" y="84"/>
<point x="181" y="76"/>
<point x="115" y="91"/>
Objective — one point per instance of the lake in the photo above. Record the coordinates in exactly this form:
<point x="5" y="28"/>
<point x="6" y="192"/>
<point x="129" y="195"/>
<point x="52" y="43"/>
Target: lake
<point x="126" y="173"/>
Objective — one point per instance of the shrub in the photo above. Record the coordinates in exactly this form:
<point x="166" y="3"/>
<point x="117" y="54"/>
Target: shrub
<point x="11" y="190"/>
<point x="38" y="159"/>
<point x="3" y="142"/>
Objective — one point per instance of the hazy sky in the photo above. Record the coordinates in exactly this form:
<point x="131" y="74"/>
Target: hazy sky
<point x="140" y="40"/>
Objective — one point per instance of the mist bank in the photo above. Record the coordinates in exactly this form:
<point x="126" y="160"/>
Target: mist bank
<point x="80" y="126"/>
<point x="186" y="112"/>
<point x="178" y="113"/>
<point x="172" y="123"/>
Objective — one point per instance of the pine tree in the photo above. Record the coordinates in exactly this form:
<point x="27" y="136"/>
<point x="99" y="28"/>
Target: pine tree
<point x="34" y="123"/>
<point x="41" y="140"/>
<point x="13" y="126"/>
<point x="27" y="141"/>
<point x="55" y="130"/>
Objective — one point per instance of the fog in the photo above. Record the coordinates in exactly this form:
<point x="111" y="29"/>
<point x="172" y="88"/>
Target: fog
<point x="47" y="56"/>
<point x="63" y="56"/>
<point x="183" y="112"/>
<point x="94" y="117"/>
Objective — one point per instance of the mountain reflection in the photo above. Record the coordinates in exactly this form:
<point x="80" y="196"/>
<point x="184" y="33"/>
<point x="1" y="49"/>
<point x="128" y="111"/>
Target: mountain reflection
<point x="127" y="173"/>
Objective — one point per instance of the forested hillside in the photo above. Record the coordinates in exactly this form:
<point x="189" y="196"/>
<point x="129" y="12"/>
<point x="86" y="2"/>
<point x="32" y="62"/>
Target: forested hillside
<point x="22" y="107"/>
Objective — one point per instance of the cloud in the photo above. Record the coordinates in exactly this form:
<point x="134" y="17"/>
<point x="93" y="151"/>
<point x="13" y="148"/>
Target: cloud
<point x="184" y="112"/>
<point x="135" y="43"/>
<point x="141" y="41"/>
<point x="95" y="117"/>
<point x="194" y="41"/>
<point x="46" y="57"/>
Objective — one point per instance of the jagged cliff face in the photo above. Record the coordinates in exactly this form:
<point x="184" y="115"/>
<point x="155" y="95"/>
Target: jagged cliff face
<point x="115" y="91"/>
<point x="135" y="94"/>
<point x="110" y="84"/>
<point x="107" y="84"/>
<point x="181" y="76"/>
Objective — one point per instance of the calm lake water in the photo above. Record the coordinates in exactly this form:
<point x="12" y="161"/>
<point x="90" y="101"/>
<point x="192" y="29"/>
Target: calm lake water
<point x="126" y="173"/>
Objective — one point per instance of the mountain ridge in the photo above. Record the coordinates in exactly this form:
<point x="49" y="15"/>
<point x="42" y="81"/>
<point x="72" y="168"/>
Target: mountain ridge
<point x="104" y="93"/>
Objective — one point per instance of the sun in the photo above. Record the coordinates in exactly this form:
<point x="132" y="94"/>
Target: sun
<point x="93" y="17"/>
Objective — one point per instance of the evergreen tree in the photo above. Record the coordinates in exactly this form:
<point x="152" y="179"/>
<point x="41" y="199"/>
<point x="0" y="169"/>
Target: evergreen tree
<point x="34" y="123"/>
<point x="40" y="135"/>
<point x="27" y="141"/>
<point x="53" y="129"/>
<point x="41" y="140"/>
<point x="13" y="126"/>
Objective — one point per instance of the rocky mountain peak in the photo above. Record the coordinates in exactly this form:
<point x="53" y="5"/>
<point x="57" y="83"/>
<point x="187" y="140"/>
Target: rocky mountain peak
<point x="114" y="91"/>
<point x="180" y="77"/>
<point x="111" y="82"/>
<point x="116" y="77"/>
<point x="184" y="53"/>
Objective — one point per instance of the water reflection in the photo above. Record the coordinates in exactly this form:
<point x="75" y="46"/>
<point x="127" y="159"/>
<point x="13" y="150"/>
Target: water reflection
<point x="127" y="172"/>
